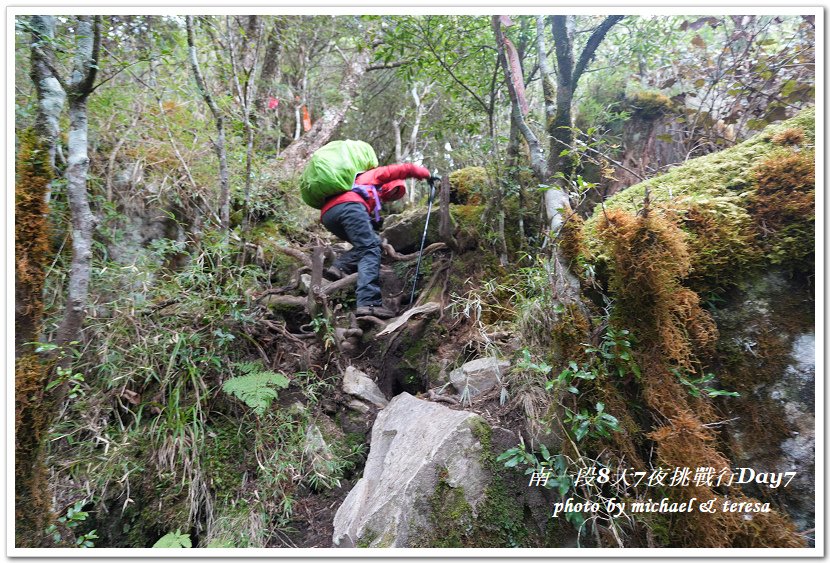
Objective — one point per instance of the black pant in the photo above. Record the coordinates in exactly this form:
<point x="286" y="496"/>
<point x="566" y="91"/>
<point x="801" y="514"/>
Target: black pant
<point x="350" y="222"/>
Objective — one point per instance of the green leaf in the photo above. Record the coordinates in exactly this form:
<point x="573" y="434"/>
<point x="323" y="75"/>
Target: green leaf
<point x="575" y="518"/>
<point x="257" y="389"/>
<point x="720" y="393"/>
<point x="174" y="539"/>
<point x="582" y="430"/>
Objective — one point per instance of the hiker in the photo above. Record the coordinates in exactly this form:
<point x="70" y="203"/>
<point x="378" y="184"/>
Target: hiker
<point x="354" y="216"/>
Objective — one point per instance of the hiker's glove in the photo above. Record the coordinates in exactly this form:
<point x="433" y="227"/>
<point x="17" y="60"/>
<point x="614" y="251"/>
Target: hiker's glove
<point x="435" y="179"/>
<point x="377" y="225"/>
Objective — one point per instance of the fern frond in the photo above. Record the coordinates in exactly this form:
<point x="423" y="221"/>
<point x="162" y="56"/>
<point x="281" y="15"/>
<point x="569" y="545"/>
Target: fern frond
<point x="257" y="389"/>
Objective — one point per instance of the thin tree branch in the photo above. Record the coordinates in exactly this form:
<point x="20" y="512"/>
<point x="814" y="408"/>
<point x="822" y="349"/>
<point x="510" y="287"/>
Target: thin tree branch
<point x="591" y="46"/>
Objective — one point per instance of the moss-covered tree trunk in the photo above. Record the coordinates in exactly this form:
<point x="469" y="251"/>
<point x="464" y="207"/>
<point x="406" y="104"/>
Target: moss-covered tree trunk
<point x="35" y="166"/>
<point x="34" y="173"/>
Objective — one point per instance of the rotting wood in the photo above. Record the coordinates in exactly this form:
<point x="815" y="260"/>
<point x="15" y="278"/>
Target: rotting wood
<point x="444" y="219"/>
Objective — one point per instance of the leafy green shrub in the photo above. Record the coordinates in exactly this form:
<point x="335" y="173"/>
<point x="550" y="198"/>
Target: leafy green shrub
<point x="74" y="517"/>
<point x="596" y="425"/>
<point x="699" y="385"/>
<point x="174" y="539"/>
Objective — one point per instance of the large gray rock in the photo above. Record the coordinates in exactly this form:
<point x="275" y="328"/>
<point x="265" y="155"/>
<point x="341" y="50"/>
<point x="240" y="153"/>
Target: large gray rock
<point x="404" y="231"/>
<point x="767" y="335"/>
<point x="360" y="385"/>
<point x="478" y="375"/>
<point x="412" y="441"/>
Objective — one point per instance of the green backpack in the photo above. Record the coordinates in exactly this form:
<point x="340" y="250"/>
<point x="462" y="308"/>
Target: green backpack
<point x="332" y="170"/>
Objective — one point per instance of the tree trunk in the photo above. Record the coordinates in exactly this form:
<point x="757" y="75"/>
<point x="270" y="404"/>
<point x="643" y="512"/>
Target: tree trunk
<point x="33" y="413"/>
<point x="246" y="94"/>
<point x="514" y="159"/>
<point x="219" y="119"/>
<point x="269" y="73"/>
<point x="445" y="234"/>
<point x="537" y="153"/>
<point x="83" y="77"/>
<point x="82" y="223"/>
<point x="34" y="173"/>
<point x="560" y="129"/>
<point x="50" y="92"/>
<point x="297" y="154"/>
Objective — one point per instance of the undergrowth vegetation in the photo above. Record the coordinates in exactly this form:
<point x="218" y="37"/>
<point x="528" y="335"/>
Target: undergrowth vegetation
<point x="639" y="386"/>
<point x="179" y="403"/>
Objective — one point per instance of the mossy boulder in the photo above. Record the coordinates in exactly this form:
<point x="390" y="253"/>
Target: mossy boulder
<point x="468" y="185"/>
<point x="742" y="209"/>
<point x="767" y="348"/>
<point x="426" y="481"/>
<point x="404" y="231"/>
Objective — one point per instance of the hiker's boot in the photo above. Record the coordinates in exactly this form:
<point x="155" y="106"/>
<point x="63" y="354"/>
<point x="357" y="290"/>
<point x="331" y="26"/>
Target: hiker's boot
<point x="378" y="311"/>
<point x="333" y="273"/>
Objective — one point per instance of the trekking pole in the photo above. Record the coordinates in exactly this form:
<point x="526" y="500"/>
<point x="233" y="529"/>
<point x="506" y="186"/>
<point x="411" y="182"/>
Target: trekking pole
<point x="431" y="182"/>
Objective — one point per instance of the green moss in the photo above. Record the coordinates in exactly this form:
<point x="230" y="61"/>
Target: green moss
<point x="166" y="508"/>
<point x="716" y="175"/>
<point x="568" y="334"/>
<point x="649" y="105"/>
<point x="783" y="208"/>
<point x="716" y="199"/>
<point x="32" y="412"/>
<point x="469" y="184"/>
<point x="223" y="457"/>
<point x="367" y="538"/>
<point x="269" y="235"/>
<point x="496" y="521"/>
<point x="467" y="217"/>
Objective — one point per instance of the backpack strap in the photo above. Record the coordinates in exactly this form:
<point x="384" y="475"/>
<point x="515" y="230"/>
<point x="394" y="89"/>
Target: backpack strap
<point x="368" y="191"/>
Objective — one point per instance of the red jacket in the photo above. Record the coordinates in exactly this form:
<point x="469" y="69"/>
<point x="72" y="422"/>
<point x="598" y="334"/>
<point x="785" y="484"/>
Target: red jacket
<point x="388" y="180"/>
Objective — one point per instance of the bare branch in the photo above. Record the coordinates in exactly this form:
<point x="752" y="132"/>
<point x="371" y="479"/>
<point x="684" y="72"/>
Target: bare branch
<point x="591" y="46"/>
<point x="386" y="66"/>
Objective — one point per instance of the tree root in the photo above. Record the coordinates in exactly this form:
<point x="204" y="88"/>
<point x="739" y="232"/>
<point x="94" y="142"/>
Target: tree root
<point x="393" y="254"/>
<point x="342" y="283"/>
<point x="294" y="253"/>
